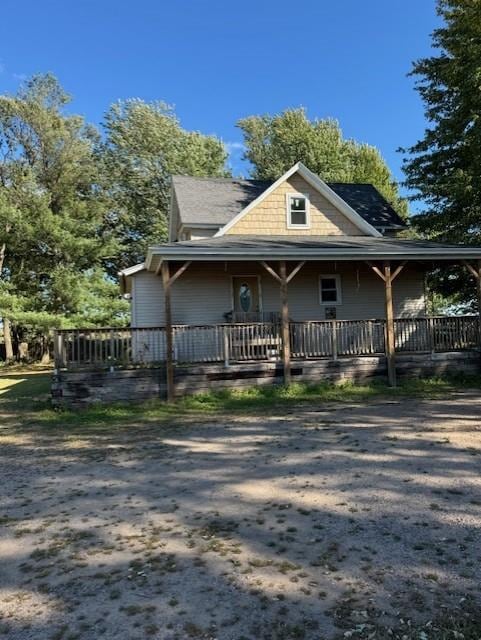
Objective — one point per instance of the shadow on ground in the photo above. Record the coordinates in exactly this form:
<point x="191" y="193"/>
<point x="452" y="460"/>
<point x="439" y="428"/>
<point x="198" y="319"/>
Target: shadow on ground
<point x="317" y="522"/>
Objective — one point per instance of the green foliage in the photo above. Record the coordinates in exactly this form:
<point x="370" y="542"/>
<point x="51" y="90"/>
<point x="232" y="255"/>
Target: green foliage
<point x="444" y="166"/>
<point x="255" y="400"/>
<point x="52" y="211"/>
<point x="144" y="146"/>
<point x="74" y="208"/>
<point x="275" y="143"/>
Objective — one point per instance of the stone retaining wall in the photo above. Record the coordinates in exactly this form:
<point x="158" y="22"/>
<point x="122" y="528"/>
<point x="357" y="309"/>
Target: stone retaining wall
<point x="82" y="388"/>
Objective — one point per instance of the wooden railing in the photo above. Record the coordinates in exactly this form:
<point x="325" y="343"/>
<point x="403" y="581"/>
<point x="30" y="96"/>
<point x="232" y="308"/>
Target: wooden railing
<point x="334" y="338"/>
<point x="242" y="342"/>
<point x="108" y="347"/>
<point x="226" y="342"/>
<point x="454" y="333"/>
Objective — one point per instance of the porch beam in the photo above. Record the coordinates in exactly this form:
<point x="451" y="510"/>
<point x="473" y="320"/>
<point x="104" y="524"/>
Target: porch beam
<point x="179" y="272"/>
<point x="286" y="346"/>
<point x="390" y="337"/>
<point x="271" y="271"/>
<point x="169" y="356"/>
<point x="470" y="267"/>
<point x="377" y="271"/>
<point x="398" y="271"/>
<point x="295" y="271"/>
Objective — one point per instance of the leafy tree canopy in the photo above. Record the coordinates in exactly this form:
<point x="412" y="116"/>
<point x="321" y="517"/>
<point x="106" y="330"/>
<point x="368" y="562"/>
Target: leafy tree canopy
<point x="52" y="211"/>
<point x="144" y="146"/>
<point x="275" y="143"/>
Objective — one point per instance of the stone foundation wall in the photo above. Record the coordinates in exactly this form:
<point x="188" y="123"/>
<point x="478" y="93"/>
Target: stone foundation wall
<point x="83" y="388"/>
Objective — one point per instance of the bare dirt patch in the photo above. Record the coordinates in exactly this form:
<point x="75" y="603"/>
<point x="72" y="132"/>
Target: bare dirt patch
<point x="316" y="522"/>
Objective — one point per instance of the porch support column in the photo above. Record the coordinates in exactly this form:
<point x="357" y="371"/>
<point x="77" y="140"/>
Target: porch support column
<point x="283" y="279"/>
<point x="388" y="278"/>
<point x="167" y="282"/>
<point x="169" y="342"/>
<point x="476" y="272"/>
<point x="478" y="289"/>
<point x="390" y="344"/>
<point x="286" y="343"/>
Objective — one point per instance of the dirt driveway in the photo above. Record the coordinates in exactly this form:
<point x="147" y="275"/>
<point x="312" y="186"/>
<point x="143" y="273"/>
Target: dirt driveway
<point x="322" y="522"/>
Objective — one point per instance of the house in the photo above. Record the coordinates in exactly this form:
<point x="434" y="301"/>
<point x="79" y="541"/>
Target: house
<point x="228" y="227"/>
<point x="330" y="251"/>
<point x="273" y="280"/>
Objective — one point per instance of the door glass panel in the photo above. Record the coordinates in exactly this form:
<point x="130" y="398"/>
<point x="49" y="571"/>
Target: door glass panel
<point x="245" y="297"/>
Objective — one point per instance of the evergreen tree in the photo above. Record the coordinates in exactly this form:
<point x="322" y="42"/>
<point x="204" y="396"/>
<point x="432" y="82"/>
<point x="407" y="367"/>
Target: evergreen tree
<point x="52" y="214"/>
<point x="275" y="143"/>
<point x="444" y="167"/>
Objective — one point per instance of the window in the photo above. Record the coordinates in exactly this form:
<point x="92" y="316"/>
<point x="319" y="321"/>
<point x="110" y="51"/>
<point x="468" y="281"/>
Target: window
<point x="330" y="289"/>
<point x="297" y="211"/>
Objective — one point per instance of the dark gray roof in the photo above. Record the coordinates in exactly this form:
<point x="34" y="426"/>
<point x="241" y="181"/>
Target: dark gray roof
<point x="214" y="200"/>
<point x="218" y="200"/>
<point x="233" y="247"/>
<point x="366" y="200"/>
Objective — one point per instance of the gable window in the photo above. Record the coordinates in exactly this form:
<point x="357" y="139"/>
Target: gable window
<point x="297" y="211"/>
<point x="330" y="289"/>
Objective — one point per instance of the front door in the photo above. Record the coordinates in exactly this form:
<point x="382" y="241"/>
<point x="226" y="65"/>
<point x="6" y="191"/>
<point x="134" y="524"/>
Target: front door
<point x="246" y="296"/>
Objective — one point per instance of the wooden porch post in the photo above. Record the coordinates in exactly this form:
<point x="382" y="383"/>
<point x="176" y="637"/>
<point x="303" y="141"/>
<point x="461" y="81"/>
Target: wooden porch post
<point x="388" y="278"/>
<point x="286" y="343"/>
<point x="390" y="338"/>
<point x="167" y="282"/>
<point x="283" y="279"/>
<point x="478" y="291"/>
<point x="169" y="342"/>
<point x="476" y="271"/>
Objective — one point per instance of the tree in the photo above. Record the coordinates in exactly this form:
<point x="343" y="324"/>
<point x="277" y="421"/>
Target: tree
<point x="53" y="215"/>
<point x="444" y="168"/>
<point x="144" y="146"/>
<point x="275" y="143"/>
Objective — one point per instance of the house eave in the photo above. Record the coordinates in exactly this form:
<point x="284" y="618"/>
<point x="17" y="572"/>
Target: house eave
<point x="202" y="254"/>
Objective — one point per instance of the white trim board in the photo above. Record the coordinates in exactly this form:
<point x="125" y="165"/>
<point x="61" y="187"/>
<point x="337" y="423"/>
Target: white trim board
<point x="317" y="184"/>
<point x="130" y="271"/>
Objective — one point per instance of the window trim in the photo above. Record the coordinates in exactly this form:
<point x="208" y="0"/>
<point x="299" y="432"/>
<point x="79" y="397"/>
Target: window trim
<point x="290" y="225"/>
<point x="337" y="278"/>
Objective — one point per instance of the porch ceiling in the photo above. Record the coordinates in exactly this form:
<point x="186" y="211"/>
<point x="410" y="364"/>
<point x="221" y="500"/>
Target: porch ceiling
<point x="238" y="248"/>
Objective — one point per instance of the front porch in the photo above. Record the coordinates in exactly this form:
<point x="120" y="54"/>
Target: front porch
<point x="131" y="364"/>
<point x="235" y="343"/>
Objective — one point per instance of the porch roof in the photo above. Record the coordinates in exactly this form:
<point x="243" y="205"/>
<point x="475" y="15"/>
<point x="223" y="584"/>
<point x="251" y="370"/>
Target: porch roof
<point x="348" y="248"/>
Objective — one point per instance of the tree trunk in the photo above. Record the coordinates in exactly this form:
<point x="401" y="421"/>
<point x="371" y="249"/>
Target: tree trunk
<point x="45" y="357"/>
<point x="7" y="338"/>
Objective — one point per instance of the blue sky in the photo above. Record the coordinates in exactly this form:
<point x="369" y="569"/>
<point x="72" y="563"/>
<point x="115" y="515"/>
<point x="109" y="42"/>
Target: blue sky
<point x="221" y="61"/>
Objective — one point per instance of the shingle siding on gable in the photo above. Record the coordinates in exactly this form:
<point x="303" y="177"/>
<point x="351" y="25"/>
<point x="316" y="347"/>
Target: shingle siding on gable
<point x="269" y="217"/>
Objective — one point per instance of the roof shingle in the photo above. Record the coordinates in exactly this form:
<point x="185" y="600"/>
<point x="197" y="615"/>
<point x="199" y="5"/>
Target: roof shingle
<point x="218" y="200"/>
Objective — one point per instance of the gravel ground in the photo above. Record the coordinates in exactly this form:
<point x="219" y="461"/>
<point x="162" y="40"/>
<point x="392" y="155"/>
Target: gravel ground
<point x="320" y="522"/>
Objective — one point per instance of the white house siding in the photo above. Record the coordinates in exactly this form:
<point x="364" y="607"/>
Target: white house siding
<point x="204" y="293"/>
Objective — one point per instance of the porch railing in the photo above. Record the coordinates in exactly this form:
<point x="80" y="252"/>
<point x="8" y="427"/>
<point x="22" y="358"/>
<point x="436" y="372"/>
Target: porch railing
<point x="243" y="342"/>
<point x="334" y="338"/>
